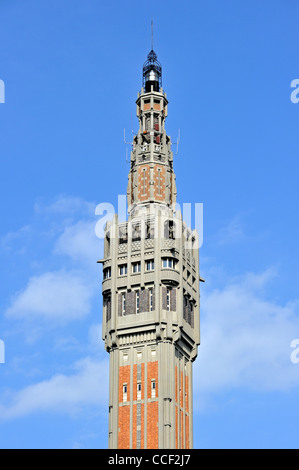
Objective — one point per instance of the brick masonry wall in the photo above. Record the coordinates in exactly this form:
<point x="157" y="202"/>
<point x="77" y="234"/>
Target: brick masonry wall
<point x="187" y="411"/>
<point x="152" y="373"/>
<point x="173" y="300"/>
<point x="176" y="383"/>
<point x="151" y="420"/>
<point x="182" y="409"/>
<point x="152" y="425"/>
<point x="182" y="429"/>
<point x="164" y="298"/>
<point x="181" y="390"/>
<point x="124" y="427"/>
<point x="187" y="432"/>
<point x="144" y="300"/>
<point x="108" y="308"/>
<point x="159" y="195"/>
<point x="132" y="189"/>
<point x="176" y="427"/>
<point x="124" y="410"/>
<point x="120" y="310"/>
<point x="124" y="377"/>
<point x="152" y="407"/>
<point x="186" y="393"/>
<point x="143" y="183"/>
<point x="130" y="303"/>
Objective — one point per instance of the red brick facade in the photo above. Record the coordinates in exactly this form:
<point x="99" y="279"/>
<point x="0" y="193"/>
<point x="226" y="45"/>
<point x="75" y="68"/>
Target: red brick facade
<point x="143" y="183"/>
<point x="124" y="410"/>
<point x="159" y="183"/>
<point x="151" y="418"/>
<point x="182" y="409"/>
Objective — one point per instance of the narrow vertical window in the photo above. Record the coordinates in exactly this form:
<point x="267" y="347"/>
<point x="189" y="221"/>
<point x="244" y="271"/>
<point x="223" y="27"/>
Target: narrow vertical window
<point x="139" y="391"/>
<point x="107" y="273"/>
<point x="136" y="267"/>
<point x="143" y="181"/>
<point x="153" y="388"/>
<point x="159" y="181"/>
<point x="168" y="300"/>
<point x="123" y="304"/>
<point x="137" y="301"/>
<point x="108" y="308"/>
<point x="151" y="299"/>
<point x="123" y="270"/>
<point x="139" y="355"/>
<point x="150" y="265"/>
<point x="125" y="393"/>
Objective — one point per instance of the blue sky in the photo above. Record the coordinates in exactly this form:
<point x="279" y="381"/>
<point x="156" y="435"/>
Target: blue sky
<point x="72" y="70"/>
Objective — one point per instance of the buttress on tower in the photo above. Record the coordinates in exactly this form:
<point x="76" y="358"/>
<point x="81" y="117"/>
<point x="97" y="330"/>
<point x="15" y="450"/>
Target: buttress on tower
<point x="151" y="292"/>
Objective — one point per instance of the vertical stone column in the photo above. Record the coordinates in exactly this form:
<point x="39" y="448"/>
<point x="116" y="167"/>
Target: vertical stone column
<point x="113" y="399"/>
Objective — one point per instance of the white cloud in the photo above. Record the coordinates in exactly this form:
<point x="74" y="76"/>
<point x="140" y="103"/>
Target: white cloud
<point x="79" y="242"/>
<point x="16" y="240"/>
<point x="88" y="385"/>
<point x="231" y="233"/>
<point x="65" y="205"/>
<point x="245" y="339"/>
<point x="66" y="292"/>
<point x="53" y="295"/>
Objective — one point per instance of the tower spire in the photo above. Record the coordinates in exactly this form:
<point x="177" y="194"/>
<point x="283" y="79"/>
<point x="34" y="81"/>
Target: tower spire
<point x="152" y="26"/>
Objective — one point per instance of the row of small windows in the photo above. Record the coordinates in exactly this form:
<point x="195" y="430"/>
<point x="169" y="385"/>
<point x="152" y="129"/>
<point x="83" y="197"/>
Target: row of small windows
<point x="138" y="301"/>
<point x="169" y="231"/>
<point x="148" y="292"/>
<point x="169" y="263"/>
<point x="139" y="390"/>
<point x="136" y="267"/>
<point x="148" y="100"/>
<point x="135" y="302"/>
<point x="125" y="355"/>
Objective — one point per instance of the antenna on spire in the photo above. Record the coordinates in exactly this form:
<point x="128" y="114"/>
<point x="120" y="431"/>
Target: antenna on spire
<point x="152" y="27"/>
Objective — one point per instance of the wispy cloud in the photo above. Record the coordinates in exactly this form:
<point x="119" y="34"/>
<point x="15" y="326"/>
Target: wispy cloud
<point x="65" y="205"/>
<point x="232" y="232"/>
<point x="60" y="295"/>
<point x="79" y="242"/>
<point x="65" y="292"/>
<point x="245" y="339"/>
<point x="86" y="385"/>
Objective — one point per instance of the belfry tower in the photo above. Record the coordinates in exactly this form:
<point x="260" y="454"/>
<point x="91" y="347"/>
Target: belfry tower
<point x="151" y="292"/>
